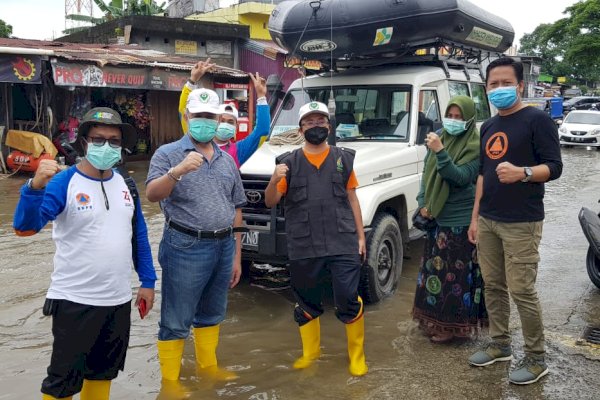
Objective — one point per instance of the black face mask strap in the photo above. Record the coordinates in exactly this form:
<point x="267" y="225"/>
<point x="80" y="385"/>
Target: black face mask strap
<point x="103" y="190"/>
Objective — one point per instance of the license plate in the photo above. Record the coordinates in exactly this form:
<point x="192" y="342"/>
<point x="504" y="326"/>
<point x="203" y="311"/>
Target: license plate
<point x="250" y="240"/>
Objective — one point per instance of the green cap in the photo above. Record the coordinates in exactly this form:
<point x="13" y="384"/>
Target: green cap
<point x="108" y="116"/>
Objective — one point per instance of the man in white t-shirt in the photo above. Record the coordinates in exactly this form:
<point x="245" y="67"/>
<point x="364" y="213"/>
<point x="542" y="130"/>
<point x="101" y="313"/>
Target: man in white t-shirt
<point x="95" y="217"/>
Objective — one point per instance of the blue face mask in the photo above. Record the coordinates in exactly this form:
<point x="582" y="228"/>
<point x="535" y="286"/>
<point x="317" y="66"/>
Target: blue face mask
<point x="503" y="97"/>
<point x="454" y="127"/>
<point x="103" y="157"/>
<point x="225" y="131"/>
<point x="203" y="130"/>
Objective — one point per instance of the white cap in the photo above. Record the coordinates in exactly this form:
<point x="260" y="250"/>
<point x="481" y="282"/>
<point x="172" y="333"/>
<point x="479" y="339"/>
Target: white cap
<point x="314" y="107"/>
<point x="229" y="109"/>
<point x="203" y="101"/>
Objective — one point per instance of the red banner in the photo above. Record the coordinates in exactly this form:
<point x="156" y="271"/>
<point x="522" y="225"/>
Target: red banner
<point x="77" y="74"/>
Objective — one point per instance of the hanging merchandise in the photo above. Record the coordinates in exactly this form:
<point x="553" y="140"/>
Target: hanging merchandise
<point x="134" y="109"/>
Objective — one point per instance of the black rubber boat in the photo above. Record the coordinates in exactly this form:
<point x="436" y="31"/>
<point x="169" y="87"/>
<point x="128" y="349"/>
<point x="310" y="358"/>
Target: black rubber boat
<point x="365" y="28"/>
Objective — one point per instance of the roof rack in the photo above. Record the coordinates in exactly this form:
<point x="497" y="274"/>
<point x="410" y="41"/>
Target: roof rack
<point x="437" y="52"/>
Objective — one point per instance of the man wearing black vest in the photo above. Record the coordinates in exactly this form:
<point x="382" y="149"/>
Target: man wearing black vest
<point x="324" y="230"/>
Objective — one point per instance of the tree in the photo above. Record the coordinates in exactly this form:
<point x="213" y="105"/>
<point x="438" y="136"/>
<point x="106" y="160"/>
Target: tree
<point x="570" y="46"/>
<point x="114" y="10"/>
<point x="5" y="29"/>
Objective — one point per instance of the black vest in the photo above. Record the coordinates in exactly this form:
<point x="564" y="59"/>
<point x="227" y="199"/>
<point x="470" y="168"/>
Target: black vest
<point x="319" y="220"/>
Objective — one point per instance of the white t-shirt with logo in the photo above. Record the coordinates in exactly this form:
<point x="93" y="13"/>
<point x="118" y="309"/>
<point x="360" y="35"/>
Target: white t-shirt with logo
<point x="93" y="259"/>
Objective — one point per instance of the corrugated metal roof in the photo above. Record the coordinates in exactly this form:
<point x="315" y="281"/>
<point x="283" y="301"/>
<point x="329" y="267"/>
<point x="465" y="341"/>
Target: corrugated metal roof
<point x="115" y="55"/>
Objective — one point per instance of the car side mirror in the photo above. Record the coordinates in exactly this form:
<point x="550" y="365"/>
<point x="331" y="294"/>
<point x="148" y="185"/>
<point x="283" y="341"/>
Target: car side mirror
<point x="559" y="122"/>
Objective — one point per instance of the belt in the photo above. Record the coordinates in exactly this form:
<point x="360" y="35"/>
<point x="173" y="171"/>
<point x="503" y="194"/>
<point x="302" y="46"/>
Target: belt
<point x="219" y="234"/>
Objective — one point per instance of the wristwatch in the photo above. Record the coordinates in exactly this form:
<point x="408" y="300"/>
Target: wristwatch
<point x="528" y="174"/>
<point x="171" y="175"/>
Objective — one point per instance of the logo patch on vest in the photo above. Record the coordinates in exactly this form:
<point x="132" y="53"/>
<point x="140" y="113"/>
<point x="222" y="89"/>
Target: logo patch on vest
<point x="340" y="165"/>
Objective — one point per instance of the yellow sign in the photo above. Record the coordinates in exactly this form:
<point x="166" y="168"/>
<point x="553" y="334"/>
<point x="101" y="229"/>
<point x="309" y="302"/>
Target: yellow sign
<point x="186" y="47"/>
<point x="561" y="79"/>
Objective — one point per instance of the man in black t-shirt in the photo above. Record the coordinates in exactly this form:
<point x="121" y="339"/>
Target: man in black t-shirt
<point x="520" y="151"/>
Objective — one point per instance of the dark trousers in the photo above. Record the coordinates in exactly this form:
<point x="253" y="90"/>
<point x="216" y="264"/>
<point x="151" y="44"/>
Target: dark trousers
<point x="307" y="281"/>
<point x="90" y="342"/>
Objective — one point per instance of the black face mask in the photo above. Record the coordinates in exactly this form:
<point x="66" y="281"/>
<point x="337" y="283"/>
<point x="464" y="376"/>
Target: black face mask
<point x="316" y="135"/>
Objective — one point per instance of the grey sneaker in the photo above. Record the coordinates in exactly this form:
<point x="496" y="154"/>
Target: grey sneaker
<point x="492" y="353"/>
<point x="528" y="370"/>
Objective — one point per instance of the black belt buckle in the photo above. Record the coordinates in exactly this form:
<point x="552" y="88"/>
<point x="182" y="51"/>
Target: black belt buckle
<point x="221" y="233"/>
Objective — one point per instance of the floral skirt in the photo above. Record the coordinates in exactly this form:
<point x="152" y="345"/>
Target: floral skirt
<point x="449" y="296"/>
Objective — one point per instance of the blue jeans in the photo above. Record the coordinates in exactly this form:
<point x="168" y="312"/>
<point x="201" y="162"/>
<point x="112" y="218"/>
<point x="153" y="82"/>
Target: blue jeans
<point x="195" y="280"/>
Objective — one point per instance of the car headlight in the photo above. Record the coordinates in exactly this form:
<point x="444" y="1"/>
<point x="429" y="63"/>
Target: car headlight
<point x="562" y="129"/>
<point x="595" y="132"/>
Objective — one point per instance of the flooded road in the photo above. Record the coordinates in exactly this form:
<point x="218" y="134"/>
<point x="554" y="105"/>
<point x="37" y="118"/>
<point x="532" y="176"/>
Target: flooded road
<point x="260" y="339"/>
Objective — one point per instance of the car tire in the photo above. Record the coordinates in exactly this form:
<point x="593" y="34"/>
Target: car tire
<point x="385" y="256"/>
<point x="593" y="267"/>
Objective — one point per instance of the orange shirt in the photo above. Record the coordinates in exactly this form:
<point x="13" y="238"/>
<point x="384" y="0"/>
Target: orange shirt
<point x="317" y="160"/>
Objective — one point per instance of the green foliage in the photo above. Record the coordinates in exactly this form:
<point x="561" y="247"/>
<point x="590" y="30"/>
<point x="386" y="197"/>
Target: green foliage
<point x="5" y="29"/>
<point x="114" y="9"/>
<point x="570" y="46"/>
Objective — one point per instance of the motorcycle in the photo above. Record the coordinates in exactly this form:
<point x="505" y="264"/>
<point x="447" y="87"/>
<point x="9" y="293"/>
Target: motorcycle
<point x="590" y="224"/>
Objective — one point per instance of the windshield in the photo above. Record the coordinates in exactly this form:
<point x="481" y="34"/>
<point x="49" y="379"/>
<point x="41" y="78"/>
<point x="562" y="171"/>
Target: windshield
<point x="573" y="101"/>
<point x="361" y="112"/>
<point x="583" y="118"/>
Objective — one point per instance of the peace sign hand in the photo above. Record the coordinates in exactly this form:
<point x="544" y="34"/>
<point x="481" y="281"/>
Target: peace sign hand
<point x="260" y="84"/>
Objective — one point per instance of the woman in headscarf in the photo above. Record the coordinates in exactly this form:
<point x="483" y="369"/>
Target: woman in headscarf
<point x="449" y="297"/>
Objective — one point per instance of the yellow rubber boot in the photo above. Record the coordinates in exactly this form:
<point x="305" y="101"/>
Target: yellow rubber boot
<point x="95" y="390"/>
<point x="311" y="344"/>
<point x="170" y="353"/>
<point x="206" y="341"/>
<point x="355" y="331"/>
<point x="48" y="397"/>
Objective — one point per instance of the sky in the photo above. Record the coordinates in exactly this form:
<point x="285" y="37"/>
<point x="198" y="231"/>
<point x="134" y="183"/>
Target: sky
<point x="44" y="19"/>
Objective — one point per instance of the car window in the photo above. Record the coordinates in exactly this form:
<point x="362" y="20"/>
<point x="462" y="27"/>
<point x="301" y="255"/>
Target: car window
<point x="458" y="89"/>
<point x="480" y="99"/>
<point x="591" y="118"/>
<point x="361" y="112"/>
<point x="430" y="105"/>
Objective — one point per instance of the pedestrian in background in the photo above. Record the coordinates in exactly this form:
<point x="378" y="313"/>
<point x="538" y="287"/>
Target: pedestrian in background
<point x="89" y="297"/>
<point x="449" y="296"/>
<point x="240" y="150"/>
<point x="520" y="151"/>
<point x="324" y="230"/>
<point x="201" y="195"/>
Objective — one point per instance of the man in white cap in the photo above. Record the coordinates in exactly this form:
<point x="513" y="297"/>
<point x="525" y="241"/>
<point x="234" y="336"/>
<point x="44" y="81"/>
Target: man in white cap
<point x="240" y="150"/>
<point x="324" y="230"/>
<point x="201" y="194"/>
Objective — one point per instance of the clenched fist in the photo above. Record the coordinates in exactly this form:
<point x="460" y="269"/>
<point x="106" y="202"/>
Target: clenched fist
<point x="192" y="162"/>
<point x="45" y="171"/>
<point x="433" y="142"/>
<point x="281" y="171"/>
<point x="508" y="173"/>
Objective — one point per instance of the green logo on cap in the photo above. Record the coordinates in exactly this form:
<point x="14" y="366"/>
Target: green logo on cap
<point x="102" y="115"/>
<point x="313" y="106"/>
<point x="204" y="97"/>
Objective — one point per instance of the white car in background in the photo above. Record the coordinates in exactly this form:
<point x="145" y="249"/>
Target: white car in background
<point x="580" y="128"/>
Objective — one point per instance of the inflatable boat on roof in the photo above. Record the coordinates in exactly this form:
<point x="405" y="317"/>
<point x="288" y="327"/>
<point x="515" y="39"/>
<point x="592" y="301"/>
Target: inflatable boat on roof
<point x="365" y="28"/>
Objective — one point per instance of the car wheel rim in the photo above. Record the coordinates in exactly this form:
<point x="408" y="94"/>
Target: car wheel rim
<point x="385" y="262"/>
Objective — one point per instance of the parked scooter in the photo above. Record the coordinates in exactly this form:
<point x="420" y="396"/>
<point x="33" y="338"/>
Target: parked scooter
<point x="590" y="224"/>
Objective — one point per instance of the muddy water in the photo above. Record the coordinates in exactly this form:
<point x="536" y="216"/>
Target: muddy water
<point x="260" y="340"/>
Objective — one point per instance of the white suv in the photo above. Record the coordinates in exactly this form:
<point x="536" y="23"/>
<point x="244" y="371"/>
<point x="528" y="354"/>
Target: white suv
<point x="384" y="114"/>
